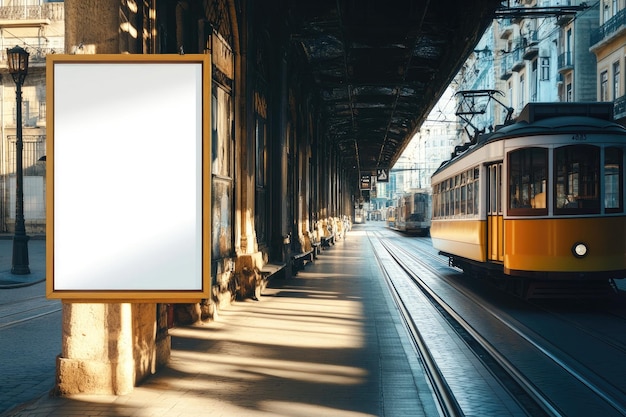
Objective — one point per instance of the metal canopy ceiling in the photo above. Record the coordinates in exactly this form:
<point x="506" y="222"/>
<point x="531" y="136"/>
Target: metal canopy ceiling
<point x="381" y="66"/>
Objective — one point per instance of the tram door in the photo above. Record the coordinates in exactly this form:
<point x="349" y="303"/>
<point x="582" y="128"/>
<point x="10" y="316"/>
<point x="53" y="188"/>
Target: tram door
<point x="495" y="226"/>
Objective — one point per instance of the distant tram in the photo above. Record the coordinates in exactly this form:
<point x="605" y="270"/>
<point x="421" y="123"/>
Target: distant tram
<point x="359" y="215"/>
<point x="540" y="201"/>
<point x="413" y="213"/>
<point x="391" y="216"/>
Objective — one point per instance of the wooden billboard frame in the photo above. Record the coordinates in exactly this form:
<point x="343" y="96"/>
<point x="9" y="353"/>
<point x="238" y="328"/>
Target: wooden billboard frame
<point x="128" y="178"/>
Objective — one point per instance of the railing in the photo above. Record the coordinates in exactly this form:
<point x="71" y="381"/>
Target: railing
<point x="37" y="55"/>
<point x="517" y="59"/>
<point x="619" y="107"/>
<point x="53" y="11"/>
<point x="505" y="66"/>
<point x="531" y="39"/>
<point x="610" y="27"/>
<point x="564" y="60"/>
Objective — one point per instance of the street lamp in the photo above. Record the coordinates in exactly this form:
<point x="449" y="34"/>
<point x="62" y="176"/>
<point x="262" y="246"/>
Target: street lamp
<point x="17" y="59"/>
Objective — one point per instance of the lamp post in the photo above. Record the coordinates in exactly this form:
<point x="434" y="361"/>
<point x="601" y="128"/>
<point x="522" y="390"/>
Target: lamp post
<point x="17" y="59"/>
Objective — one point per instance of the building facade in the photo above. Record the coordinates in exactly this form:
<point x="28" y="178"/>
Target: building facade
<point x="609" y="46"/>
<point x="545" y="58"/>
<point x="38" y="27"/>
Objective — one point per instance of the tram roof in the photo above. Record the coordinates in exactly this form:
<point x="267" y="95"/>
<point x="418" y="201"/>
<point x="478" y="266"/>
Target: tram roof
<point x="553" y="118"/>
<point x="550" y="119"/>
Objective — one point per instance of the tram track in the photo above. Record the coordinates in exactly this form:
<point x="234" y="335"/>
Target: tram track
<point x="447" y="402"/>
<point x="16" y="312"/>
<point x="462" y="393"/>
<point x="604" y="336"/>
<point x="566" y="369"/>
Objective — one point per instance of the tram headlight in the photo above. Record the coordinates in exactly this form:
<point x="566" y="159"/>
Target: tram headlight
<point x="580" y="249"/>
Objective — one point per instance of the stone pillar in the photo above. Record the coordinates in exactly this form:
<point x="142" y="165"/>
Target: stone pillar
<point x="106" y="348"/>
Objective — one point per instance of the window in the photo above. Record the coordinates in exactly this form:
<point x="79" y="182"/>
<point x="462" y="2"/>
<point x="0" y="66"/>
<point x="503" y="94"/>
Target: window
<point x="613" y="180"/>
<point x="222" y="185"/>
<point x="261" y="152"/>
<point x="528" y="169"/>
<point x="616" y="80"/>
<point x="261" y="196"/>
<point x="576" y="182"/>
<point x="533" y="81"/>
<point x="569" y="93"/>
<point x="522" y="98"/>
<point x="42" y="110"/>
<point x="545" y="69"/>
<point x="568" y="46"/>
<point x="604" y="86"/>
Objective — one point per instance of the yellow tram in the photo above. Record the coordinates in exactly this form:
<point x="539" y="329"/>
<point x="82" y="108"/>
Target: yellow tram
<point x="540" y="200"/>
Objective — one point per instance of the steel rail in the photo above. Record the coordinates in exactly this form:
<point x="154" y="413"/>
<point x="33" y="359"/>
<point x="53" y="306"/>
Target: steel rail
<point x="446" y="399"/>
<point x="517" y="376"/>
<point x="522" y="380"/>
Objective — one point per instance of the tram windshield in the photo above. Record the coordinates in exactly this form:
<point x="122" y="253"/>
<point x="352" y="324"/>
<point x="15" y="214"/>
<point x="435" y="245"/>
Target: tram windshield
<point x="578" y="184"/>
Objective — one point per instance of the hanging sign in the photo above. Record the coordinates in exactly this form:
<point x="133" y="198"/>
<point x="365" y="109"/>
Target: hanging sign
<point x="366" y="181"/>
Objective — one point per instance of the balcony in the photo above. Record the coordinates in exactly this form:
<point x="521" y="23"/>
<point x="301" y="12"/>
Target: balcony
<point x="531" y="45"/>
<point x="506" y="28"/>
<point x="565" y="62"/>
<point x="37" y="55"/>
<point x="505" y="67"/>
<point x="560" y="79"/>
<point x="610" y="28"/>
<point x="53" y="12"/>
<point x="33" y="20"/>
<point x="517" y="60"/>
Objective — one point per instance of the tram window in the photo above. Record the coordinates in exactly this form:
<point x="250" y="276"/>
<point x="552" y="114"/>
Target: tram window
<point x="446" y="196"/>
<point x="463" y="199"/>
<point x="494" y="190"/>
<point x="528" y="169"/>
<point x="476" y="189"/>
<point x="439" y="201"/>
<point x="613" y="180"/>
<point x="499" y="185"/>
<point x="457" y="195"/>
<point x="470" y="198"/>
<point x="436" y="200"/>
<point x="576" y="170"/>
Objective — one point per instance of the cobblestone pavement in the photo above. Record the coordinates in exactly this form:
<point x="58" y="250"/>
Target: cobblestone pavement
<point x="28" y="348"/>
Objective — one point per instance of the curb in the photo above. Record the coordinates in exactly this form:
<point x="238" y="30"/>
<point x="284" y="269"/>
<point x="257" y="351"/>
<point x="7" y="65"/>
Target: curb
<point x="20" y="285"/>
